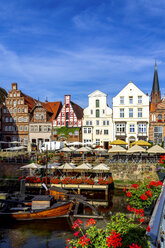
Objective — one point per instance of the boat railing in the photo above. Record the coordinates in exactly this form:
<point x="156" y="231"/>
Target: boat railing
<point x="157" y="222"/>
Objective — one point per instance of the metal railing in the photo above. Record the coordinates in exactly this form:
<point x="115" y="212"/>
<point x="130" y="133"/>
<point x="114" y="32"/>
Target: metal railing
<point x="157" y="222"/>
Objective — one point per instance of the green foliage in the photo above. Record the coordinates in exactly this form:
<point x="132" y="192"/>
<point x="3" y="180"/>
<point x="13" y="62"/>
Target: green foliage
<point x="64" y="131"/>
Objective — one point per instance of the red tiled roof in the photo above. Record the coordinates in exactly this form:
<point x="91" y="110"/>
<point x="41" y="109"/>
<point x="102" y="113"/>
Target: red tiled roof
<point x="55" y="108"/>
<point x="77" y="110"/>
<point x="29" y="101"/>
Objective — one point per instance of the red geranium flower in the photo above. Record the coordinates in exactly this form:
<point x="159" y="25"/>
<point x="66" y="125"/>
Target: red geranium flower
<point x="91" y="222"/>
<point x="129" y="194"/>
<point x="143" y="197"/>
<point x="114" y="239"/>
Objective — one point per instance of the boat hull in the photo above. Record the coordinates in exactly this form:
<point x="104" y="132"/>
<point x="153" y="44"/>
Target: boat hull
<point x="59" y="211"/>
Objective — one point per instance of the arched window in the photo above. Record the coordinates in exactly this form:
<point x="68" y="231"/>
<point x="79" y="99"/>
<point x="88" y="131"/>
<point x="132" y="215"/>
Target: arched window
<point x="97" y="113"/>
<point x="159" y="117"/>
<point x="97" y="103"/>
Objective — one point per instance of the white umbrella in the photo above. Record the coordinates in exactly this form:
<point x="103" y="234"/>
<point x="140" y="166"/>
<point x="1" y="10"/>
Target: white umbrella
<point x="72" y="148"/>
<point x="156" y="149"/>
<point x="30" y="166"/>
<point x="82" y="149"/>
<point x="83" y="167"/>
<point x="101" y="167"/>
<point x="72" y="164"/>
<point x="66" y="149"/>
<point x="51" y="166"/>
<point x="135" y="149"/>
<point x="66" y="166"/>
<point x="89" y="165"/>
<point x="117" y="149"/>
<point x="100" y="149"/>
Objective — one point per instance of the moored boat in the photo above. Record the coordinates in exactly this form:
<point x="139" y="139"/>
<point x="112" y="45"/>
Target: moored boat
<point x="42" y="207"/>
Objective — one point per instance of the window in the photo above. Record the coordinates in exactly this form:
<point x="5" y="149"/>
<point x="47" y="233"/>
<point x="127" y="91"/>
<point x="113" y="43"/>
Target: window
<point x="104" y="123"/>
<point x="32" y="128"/>
<point x="25" y="128"/>
<point x="6" y="119"/>
<point x="4" y="111"/>
<point x="36" y="129"/>
<point x="37" y="116"/>
<point x="63" y="123"/>
<point x="42" y="116"/>
<point x="97" y="103"/>
<point x="89" y="129"/>
<point x="121" y="113"/>
<point x="87" y="123"/>
<point x="26" y="110"/>
<point x="22" y="110"/>
<point x="97" y="142"/>
<point x="107" y="123"/>
<point x="24" y="119"/>
<point x="91" y="111"/>
<point x="139" y="112"/>
<point x="10" y="110"/>
<point x="121" y="99"/>
<point x="76" y="132"/>
<point x="67" y="116"/>
<point x="103" y="111"/>
<point x="97" y="113"/>
<point x="159" y="117"/>
<point x="11" y="102"/>
<point x="40" y="128"/>
<point x="18" y="94"/>
<point x="132" y="128"/>
<point x="14" y="94"/>
<point x="14" y="138"/>
<point x="6" y="128"/>
<point x="45" y="128"/>
<point x="19" y="119"/>
<point x="15" y="119"/>
<point x="97" y="131"/>
<point x="142" y="128"/>
<point x="19" y="110"/>
<point x="14" y="103"/>
<point x="11" y="119"/>
<point x="90" y="123"/>
<point x="63" y="114"/>
<point x="106" y="131"/>
<point x="20" y="128"/>
<point x="97" y="122"/>
<point x="15" y="111"/>
<point x="18" y="101"/>
<point x="85" y="130"/>
<point x="158" y="135"/>
<point x="120" y="128"/>
<point x="130" y="99"/>
<point x="25" y="141"/>
<point x="10" y="128"/>
<point x="131" y="113"/>
<point x="139" y="99"/>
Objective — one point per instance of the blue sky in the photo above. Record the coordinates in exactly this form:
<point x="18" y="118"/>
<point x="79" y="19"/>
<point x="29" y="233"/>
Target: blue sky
<point x="57" y="47"/>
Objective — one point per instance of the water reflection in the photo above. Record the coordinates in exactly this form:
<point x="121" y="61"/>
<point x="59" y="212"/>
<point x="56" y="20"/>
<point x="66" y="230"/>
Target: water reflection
<point x="53" y="233"/>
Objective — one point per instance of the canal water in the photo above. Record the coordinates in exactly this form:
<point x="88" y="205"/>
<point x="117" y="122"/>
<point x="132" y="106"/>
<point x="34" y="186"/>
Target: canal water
<point x="53" y="233"/>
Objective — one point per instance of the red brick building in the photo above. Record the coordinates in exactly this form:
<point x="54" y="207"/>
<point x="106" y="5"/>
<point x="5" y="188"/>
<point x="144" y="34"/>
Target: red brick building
<point x="157" y="112"/>
<point x="70" y="117"/>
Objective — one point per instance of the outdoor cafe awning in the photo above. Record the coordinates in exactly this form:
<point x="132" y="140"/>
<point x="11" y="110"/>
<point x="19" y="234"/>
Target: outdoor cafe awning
<point x="66" y="149"/>
<point x="141" y="143"/>
<point x="66" y="166"/>
<point x="117" y="149"/>
<point x="83" y="167"/>
<point x="118" y="142"/>
<point x="101" y="167"/>
<point x="156" y="149"/>
<point x="30" y="166"/>
<point x="136" y="149"/>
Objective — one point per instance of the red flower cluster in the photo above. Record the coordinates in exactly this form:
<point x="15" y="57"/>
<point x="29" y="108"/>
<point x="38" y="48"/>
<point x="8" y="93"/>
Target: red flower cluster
<point x="114" y="239"/>
<point x="102" y="181"/>
<point x="143" y="197"/>
<point x="134" y="246"/>
<point x="162" y="159"/>
<point x="84" y="240"/>
<point x="155" y="184"/>
<point x="149" y="193"/>
<point x="135" y="185"/>
<point x="90" y="222"/>
<point x="77" y="223"/>
<point x="129" y="194"/>
<point x="135" y="210"/>
<point x="32" y="180"/>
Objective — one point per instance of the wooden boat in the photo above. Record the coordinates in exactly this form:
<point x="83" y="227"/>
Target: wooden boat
<point x="43" y="207"/>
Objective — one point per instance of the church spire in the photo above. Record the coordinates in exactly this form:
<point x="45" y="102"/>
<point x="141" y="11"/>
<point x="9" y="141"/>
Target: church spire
<point x="155" y="93"/>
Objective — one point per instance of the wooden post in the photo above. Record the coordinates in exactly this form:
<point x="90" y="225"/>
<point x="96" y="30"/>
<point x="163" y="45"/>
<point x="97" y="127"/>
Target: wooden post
<point x="79" y="190"/>
<point x="106" y="194"/>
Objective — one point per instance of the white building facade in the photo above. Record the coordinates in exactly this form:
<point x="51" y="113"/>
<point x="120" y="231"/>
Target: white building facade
<point x="131" y="114"/>
<point x="97" y="120"/>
